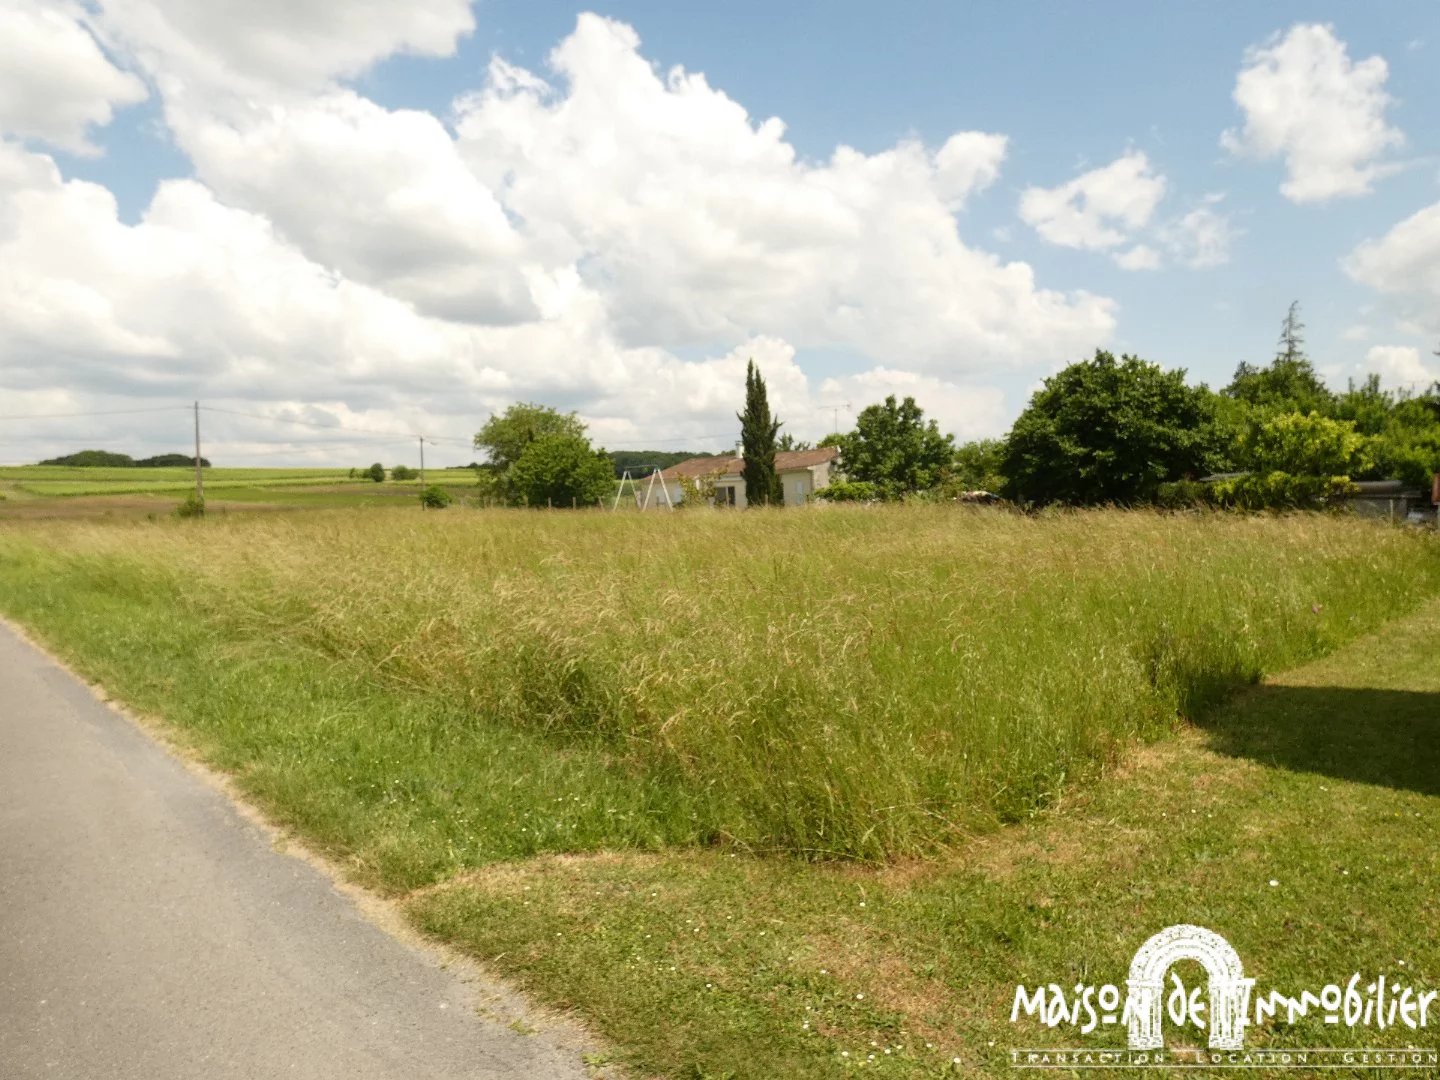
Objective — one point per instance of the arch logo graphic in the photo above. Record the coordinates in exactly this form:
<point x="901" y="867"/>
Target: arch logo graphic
<point x="1223" y="1008"/>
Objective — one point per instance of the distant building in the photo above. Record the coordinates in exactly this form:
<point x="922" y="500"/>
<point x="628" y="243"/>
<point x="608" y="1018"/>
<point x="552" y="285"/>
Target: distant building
<point x="801" y="472"/>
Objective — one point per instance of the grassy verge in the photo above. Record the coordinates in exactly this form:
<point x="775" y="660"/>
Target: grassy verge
<point x="567" y="741"/>
<point x="1302" y="823"/>
<point x="852" y="683"/>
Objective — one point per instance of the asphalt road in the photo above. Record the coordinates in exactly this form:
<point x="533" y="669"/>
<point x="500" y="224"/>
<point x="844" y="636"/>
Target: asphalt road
<point x="149" y="931"/>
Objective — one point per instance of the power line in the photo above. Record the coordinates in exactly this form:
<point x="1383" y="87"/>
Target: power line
<point x="106" y="412"/>
<point x="309" y="423"/>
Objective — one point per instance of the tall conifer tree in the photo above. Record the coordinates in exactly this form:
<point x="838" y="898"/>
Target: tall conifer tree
<point x="758" y="430"/>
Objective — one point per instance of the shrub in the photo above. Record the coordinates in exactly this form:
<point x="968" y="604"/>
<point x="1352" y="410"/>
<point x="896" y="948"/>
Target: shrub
<point x="849" y="491"/>
<point x="403" y="472"/>
<point x="1303" y="445"/>
<point x="376" y="472"/>
<point x="697" y="490"/>
<point x="193" y="506"/>
<point x="1256" y="491"/>
<point x="435" y="498"/>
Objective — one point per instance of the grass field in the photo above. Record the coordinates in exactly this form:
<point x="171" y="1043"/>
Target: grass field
<point x="34" y="490"/>
<point x="752" y="792"/>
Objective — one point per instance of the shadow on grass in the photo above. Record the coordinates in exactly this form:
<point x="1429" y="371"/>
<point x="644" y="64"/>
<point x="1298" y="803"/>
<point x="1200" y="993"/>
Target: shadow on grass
<point x="1385" y="737"/>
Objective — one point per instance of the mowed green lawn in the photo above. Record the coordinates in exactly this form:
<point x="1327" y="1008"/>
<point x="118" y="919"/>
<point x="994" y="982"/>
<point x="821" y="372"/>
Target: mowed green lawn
<point x="772" y="794"/>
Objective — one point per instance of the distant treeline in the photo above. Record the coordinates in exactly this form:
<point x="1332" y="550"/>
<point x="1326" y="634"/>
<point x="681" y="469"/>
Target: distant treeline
<point x="108" y="459"/>
<point x="640" y="462"/>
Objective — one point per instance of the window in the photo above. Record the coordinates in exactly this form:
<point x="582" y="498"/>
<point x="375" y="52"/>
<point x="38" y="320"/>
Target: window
<point x="725" y="496"/>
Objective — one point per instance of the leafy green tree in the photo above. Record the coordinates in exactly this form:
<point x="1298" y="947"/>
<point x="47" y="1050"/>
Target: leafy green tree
<point x="93" y="459"/>
<point x="505" y="437"/>
<point x="1409" y="447"/>
<point x="561" y="470"/>
<point x="1366" y="406"/>
<point x="171" y="461"/>
<point x="376" y="472"/>
<point x="757" y="438"/>
<point x="895" y="448"/>
<point x="435" y="497"/>
<point x="403" y="472"/>
<point x="978" y="465"/>
<point x="1285" y="386"/>
<point x="789" y="442"/>
<point x="1302" y="444"/>
<point x="1289" y="383"/>
<point x="1108" y="431"/>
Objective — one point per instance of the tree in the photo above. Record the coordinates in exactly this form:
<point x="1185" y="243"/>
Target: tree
<point x="789" y="442"/>
<point x="1290" y="383"/>
<point x="561" y="470"/>
<point x="977" y="465"/>
<point x="92" y="459"/>
<point x="1287" y="385"/>
<point x="757" y="438"/>
<point x="1108" y="431"/>
<point x="1303" y="445"/>
<point x="896" y="449"/>
<point x="403" y="472"/>
<point x="1292" y="336"/>
<point x="376" y="472"/>
<point x="1366" y="406"/>
<point x="505" y="438"/>
<point x="435" y="497"/>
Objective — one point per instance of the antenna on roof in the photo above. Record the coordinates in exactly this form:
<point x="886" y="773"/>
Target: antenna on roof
<point x="835" y="410"/>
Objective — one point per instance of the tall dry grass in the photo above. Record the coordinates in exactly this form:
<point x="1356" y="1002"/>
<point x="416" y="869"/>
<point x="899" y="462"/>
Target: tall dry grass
<point x="854" y="681"/>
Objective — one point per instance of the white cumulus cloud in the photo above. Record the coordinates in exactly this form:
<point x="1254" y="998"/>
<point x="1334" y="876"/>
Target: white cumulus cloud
<point x="55" y="82"/>
<point x="603" y="236"/>
<point x="1305" y="100"/>
<point x="966" y="411"/>
<point x="1405" y="263"/>
<point x="696" y="223"/>
<point x="1401" y="365"/>
<point x="1201" y="237"/>
<point x="259" y="45"/>
<point x="1099" y="209"/>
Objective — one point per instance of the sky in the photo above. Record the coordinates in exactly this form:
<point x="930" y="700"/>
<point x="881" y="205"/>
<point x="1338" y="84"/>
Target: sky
<point x="341" y="225"/>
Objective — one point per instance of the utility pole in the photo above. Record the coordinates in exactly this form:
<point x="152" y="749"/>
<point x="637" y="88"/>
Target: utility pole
<point x="199" y="474"/>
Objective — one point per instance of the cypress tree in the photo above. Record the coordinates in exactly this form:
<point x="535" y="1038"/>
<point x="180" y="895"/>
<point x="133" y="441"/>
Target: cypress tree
<point x="757" y="438"/>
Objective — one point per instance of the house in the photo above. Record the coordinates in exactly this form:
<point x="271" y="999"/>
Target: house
<point x="801" y="472"/>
